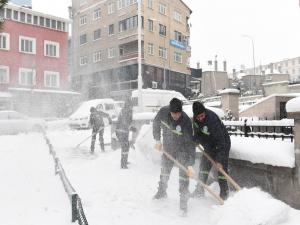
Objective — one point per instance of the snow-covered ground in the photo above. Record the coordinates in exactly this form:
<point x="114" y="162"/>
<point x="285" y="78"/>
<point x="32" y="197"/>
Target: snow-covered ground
<point x="33" y="195"/>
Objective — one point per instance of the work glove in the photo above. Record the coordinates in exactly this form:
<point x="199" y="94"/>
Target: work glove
<point x="190" y="172"/>
<point x="158" y="146"/>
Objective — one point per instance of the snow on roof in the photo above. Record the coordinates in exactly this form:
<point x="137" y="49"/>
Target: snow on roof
<point x="293" y="105"/>
<point x="229" y="90"/>
<point x="277" y="82"/>
<point x="271" y="96"/>
<point x="45" y="91"/>
<point x="151" y="91"/>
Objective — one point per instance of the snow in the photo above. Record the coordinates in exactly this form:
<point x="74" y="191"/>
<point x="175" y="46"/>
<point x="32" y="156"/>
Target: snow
<point x="293" y="105"/>
<point x="34" y="195"/>
<point x="229" y="90"/>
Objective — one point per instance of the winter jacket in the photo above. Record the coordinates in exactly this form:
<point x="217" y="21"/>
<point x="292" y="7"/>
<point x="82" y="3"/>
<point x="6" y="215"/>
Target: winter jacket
<point x="124" y="121"/>
<point x="212" y="135"/>
<point x="96" y="119"/>
<point x="177" y="135"/>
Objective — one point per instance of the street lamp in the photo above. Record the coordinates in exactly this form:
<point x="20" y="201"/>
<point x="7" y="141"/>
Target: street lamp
<point x="140" y="81"/>
<point x="253" y="56"/>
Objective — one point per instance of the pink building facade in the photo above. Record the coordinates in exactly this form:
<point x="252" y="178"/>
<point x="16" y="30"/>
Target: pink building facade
<point x="34" y="62"/>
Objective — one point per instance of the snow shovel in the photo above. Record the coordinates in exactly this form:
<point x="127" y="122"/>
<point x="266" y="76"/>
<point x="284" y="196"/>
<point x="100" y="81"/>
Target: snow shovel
<point x="216" y="196"/>
<point x="84" y="140"/>
<point x="221" y="170"/>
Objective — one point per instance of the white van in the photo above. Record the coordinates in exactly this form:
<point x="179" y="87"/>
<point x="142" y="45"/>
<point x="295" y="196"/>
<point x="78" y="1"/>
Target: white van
<point x="80" y="118"/>
<point x="154" y="99"/>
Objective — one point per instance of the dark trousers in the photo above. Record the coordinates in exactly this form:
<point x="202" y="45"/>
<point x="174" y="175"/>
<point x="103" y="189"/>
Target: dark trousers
<point x="167" y="166"/>
<point x="101" y="139"/>
<point x="124" y="142"/>
<point x="205" y="167"/>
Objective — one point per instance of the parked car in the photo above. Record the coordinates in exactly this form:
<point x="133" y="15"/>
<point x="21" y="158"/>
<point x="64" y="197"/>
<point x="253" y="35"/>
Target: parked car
<point x="12" y="122"/>
<point x="80" y="118"/>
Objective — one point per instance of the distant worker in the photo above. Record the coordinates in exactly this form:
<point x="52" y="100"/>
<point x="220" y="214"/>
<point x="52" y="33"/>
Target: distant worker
<point x="211" y="133"/>
<point x="123" y="127"/>
<point x="97" y="124"/>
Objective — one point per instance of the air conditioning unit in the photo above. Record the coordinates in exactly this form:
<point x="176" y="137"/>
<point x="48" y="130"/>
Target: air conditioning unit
<point x="154" y="84"/>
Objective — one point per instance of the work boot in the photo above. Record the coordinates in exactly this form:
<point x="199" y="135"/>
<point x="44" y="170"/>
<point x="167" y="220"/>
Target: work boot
<point x="224" y="195"/>
<point x="102" y="147"/>
<point x="160" y="194"/>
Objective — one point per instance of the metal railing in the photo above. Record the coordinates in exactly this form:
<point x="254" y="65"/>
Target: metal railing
<point x="283" y="129"/>
<point x="76" y="205"/>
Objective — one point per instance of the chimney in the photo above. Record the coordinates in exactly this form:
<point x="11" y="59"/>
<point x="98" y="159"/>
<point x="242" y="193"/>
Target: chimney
<point x="225" y="66"/>
<point x="70" y="12"/>
<point x="198" y="65"/>
<point x="216" y="63"/>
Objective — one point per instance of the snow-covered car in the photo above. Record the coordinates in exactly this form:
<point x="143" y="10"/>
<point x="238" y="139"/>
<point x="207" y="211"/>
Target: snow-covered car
<point x="80" y="118"/>
<point x="12" y="122"/>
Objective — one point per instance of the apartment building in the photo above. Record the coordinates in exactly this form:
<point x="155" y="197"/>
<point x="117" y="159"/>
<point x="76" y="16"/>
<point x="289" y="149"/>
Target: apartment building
<point x="105" y="46"/>
<point x="33" y="62"/>
<point x="289" y="66"/>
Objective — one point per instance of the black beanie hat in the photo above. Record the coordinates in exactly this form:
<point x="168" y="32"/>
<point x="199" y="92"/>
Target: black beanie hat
<point x="198" y="108"/>
<point x="175" y="105"/>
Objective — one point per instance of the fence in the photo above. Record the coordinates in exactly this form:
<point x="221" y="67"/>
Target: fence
<point x="275" y="129"/>
<point x="76" y="206"/>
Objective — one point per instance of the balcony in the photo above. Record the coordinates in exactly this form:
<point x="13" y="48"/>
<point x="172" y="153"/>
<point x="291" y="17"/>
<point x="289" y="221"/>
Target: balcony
<point x="130" y="56"/>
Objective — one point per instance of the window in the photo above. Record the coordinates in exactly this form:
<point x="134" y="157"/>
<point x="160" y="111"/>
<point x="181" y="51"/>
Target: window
<point x="162" y="30"/>
<point x="177" y="57"/>
<point x="97" y="14"/>
<point x="150" y="25"/>
<point x="162" y="52"/>
<point x="150" y="48"/>
<point x="128" y="24"/>
<point x="150" y="4"/>
<point x="177" y="16"/>
<point x="4" y="74"/>
<point x="111" y="8"/>
<point x="27" y="76"/>
<point x="8" y="14"/>
<point x="178" y="36"/>
<point x="83" y="60"/>
<point x="111" y="53"/>
<point x="27" y="45"/>
<point x="48" y="23"/>
<point x="83" y="20"/>
<point x="111" y="29"/>
<point x="42" y="21"/>
<point x="162" y="8"/>
<point x="51" y="49"/>
<point x="16" y="15"/>
<point x="22" y="17"/>
<point x="29" y="18"/>
<point x="53" y="24"/>
<point x="83" y="39"/>
<point x="97" y="56"/>
<point x="97" y="34"/>
<point x="35" y="20"/>
<point x="51" y="79"/>
<point x="4" y="41"/>
<point x="125" y="3"/>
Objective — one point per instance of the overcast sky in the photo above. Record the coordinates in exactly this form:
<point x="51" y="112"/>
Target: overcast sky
<point x="218" y="27"/>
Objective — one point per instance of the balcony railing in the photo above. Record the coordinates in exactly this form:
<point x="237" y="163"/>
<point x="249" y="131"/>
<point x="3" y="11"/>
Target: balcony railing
<point x="130" y="56"/>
